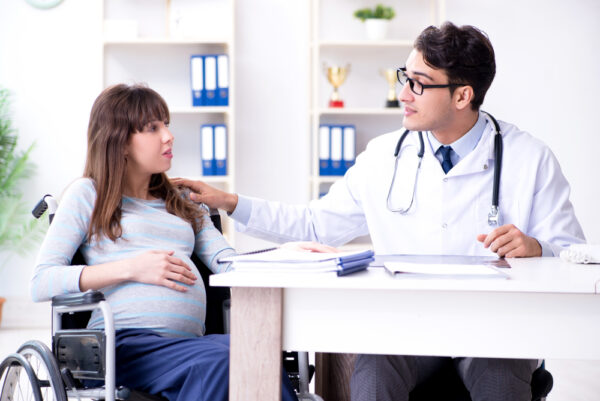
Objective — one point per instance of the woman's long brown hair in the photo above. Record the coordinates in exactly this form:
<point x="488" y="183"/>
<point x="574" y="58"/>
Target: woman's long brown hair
<point x="118" y="112"/>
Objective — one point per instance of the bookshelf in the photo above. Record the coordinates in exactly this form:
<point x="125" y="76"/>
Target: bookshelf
<point x="338" y="38"/>
<point x="154" y="46"/>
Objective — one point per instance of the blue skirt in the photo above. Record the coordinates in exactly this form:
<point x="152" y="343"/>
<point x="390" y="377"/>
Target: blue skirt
<point x="179" y="369"/>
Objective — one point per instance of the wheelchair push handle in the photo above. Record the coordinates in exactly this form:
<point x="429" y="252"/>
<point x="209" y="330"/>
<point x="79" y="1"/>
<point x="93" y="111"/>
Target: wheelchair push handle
<point x="46" y="203"/>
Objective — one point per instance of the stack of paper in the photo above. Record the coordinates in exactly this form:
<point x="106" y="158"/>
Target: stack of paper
<point x="280" y="260"/>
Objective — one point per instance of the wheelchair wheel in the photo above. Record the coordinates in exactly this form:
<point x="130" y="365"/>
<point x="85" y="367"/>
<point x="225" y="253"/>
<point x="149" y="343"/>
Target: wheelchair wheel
<point x="17" y="380"/>
<point x="44" y="366"/>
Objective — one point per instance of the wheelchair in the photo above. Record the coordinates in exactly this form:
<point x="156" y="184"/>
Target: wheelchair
<point x="80" y="356"/>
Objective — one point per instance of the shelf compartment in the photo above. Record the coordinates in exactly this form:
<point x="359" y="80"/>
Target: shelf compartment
<point x="360" y="111"/>
<point x="365" y="43"/>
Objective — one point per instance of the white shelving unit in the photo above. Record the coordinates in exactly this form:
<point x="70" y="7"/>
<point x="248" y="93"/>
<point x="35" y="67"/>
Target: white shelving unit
<point x="154" y="47"/>
<point x="338" y="38"/>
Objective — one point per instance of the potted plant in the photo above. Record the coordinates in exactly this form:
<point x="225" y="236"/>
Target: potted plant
<point x="18" y="229"/>
<point x="376" y="20"/>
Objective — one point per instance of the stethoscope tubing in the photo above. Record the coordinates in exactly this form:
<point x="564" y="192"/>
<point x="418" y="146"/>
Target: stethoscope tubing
<point x="498" y="148"/>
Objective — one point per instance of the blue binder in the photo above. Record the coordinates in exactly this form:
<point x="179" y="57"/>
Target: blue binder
<point x="222" y="80"/>
<point x="349" y="144"/>
<point x="354" y="263"/>
<point x="337" y="137"/>
<point x="324" y="150"/>
<point x="207" y="149"/>
<point x="210" y="79"/>
<point x="220" y="145"/>
<point x="197" y="80"/>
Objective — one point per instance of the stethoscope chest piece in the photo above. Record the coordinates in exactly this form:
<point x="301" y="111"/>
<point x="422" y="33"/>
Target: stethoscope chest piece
<point x="493" y="216"/>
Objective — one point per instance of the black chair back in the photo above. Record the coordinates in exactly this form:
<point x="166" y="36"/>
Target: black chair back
<point x="215" y="299"/>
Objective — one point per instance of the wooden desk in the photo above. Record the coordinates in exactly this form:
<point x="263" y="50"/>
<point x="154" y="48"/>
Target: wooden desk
<point x="547" y="309"/>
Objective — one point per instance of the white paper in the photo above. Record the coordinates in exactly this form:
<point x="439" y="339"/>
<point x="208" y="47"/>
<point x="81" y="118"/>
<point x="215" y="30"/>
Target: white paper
<point x="289" y="256"/>
<point x="291" y="260"/>
<point x="454" y="270"/>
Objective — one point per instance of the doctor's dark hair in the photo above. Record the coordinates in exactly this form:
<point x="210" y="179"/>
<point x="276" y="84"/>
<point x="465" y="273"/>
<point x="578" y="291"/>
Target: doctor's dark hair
<point x="465" y="53"/>
<point x="119" y="112"/>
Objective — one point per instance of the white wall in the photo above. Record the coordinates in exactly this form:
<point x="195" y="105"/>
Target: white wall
<point x="272" y="102"/>
<point x="51" y="62"/>
<point x="547" y="82"/>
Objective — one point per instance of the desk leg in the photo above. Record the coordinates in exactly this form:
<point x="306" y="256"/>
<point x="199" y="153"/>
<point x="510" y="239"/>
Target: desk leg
<point x="255" y="360"/>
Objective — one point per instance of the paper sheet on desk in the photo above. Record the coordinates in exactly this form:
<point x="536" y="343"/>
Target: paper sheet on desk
<point x="457" y="271"/>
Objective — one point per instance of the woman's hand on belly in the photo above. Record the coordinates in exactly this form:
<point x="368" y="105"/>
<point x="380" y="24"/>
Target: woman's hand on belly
<point x="160" y="268"/>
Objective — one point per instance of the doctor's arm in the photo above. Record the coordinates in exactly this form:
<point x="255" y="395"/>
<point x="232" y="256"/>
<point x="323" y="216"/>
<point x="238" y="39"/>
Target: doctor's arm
<point x="333" y="220"/>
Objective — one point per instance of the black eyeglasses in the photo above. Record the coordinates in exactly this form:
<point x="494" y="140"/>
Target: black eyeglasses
<point x="416" y="86"/>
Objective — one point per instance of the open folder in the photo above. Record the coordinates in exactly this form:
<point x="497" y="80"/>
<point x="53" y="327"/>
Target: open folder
<point x="281" y="260"/>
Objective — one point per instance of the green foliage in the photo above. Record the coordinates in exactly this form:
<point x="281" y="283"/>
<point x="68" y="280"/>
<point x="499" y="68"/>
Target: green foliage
<point x="19" y="231"/>
<point x="379" y="12"/>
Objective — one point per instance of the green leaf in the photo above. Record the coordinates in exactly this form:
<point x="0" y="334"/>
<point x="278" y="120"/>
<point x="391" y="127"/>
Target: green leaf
<point x="379" y="12"/>
<point x="19" y="230"/>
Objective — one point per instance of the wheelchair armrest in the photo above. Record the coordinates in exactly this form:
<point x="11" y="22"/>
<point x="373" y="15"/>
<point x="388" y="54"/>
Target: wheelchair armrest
<point x="83" y="298"/>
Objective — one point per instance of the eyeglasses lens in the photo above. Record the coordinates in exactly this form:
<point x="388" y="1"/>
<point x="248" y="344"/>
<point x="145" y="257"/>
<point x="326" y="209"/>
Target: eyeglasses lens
<point x="415" y="86"/>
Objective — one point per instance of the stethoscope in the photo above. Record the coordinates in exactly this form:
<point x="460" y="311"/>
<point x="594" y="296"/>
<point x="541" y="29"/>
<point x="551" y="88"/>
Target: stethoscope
<point x="493" y="216"/>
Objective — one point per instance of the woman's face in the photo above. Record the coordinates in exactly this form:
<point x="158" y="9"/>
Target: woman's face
<point x="150" y="150"/>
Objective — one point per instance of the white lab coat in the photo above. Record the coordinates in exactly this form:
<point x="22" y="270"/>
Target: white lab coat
<point x="448" y="211"/>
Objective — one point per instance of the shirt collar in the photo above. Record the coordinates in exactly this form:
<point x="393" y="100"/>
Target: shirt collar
<point x="466" y="143"/>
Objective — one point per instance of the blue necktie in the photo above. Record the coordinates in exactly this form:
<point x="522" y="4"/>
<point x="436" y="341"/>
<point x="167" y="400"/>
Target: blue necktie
<point x="446" y="162"/>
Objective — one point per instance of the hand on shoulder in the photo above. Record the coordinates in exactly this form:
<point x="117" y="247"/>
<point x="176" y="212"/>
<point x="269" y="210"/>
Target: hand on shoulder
<point x="212" y="197"/>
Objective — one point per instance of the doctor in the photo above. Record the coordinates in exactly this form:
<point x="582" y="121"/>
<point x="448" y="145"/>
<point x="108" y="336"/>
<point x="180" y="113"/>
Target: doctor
<point x="437" y="204"/>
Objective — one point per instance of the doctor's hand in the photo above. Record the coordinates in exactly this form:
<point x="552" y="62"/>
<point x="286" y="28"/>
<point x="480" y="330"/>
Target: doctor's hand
<point x="508" y="241"/>
<point x="212" y="197"/>
<point x="308" y="246"/>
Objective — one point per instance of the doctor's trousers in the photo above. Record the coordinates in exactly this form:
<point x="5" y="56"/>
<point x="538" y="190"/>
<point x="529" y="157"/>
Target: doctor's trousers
<point x="180" y="369"/>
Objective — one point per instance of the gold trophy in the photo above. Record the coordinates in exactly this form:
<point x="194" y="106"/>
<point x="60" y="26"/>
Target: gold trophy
<point x="390" y="76"/>
<point x="336" y="76"/>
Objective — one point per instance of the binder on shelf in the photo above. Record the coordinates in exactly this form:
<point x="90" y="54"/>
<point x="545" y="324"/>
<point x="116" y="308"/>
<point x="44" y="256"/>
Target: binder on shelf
<point x="220" y="144"/>
<point x="222" y="80"/>
<point x="197" y="80"/>
<point x="336" y="150"/>
<point x="324" y="150"/>
<point x="207" y="151"/>
<point x="349" y="140"/>
<point x="210" y="79"/>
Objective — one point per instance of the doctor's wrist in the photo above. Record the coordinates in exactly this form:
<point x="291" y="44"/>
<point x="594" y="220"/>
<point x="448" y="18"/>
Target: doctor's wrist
<point x="231" y="201"/>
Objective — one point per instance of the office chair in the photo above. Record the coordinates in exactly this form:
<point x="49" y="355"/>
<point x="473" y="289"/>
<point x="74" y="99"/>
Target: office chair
<point x="334" y="372"/>
<point x="447" y="385"/>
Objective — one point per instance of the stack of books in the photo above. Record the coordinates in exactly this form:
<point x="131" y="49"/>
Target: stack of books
<point x="285" y="260"/>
